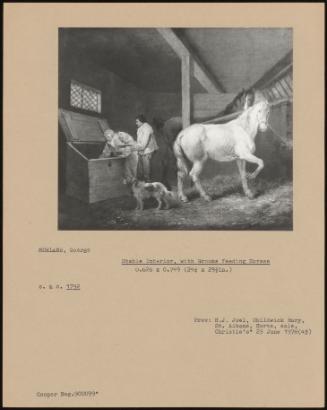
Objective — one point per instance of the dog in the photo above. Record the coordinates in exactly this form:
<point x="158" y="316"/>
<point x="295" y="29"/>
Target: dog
<point x="144" y="190"/>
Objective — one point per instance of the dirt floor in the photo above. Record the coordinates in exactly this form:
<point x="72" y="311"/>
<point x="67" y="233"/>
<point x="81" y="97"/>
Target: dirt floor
<point x="271" y="209"/>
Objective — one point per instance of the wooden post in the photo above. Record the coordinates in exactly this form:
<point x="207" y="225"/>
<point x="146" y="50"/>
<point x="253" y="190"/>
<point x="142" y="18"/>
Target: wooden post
<point x="186" y="90"/>
<point x="198" y="70"/>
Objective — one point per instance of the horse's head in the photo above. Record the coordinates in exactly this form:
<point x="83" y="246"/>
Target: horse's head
<point x="262" y="114"/>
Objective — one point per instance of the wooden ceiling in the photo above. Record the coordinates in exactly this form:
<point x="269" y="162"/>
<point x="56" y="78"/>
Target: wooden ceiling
<point x="236" y="58"/>
<point x="239" y="57"/>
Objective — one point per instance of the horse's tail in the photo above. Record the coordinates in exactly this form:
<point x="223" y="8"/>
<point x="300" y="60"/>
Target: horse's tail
<point x="182" y="160"/>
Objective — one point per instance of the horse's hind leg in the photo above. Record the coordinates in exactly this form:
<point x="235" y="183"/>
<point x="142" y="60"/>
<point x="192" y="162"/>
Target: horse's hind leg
<point x="195" y="174"/>
<point x="159" y="203"/>
<point x="182" y="168"/>
<point x="181" y="174"/>
<point x="241" y="167"/>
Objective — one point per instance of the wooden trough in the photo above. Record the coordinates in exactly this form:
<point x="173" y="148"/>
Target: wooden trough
<point x="88" y="177"/>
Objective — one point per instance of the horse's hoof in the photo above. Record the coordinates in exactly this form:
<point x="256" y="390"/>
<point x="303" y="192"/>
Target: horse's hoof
<point x="207" y="198"/>
<point x="250" y="195"/>
<point x="183" y="199"/>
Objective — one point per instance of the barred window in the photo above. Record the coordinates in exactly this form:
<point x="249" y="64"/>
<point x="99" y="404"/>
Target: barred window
<point x="85" y="97"/>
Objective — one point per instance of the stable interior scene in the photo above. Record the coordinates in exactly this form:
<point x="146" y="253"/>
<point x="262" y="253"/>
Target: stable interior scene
<point x="115" y="82"/>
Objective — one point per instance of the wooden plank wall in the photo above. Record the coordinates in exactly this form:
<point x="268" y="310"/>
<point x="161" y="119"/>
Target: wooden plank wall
<point x="205" y="105"/>
<point x="280" y="89"/>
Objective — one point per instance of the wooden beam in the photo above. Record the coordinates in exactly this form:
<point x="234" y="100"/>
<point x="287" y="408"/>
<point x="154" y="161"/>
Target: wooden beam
<point x="280" y="74"/>
<point x="186" y="90"/>
<point x="199" y="72"/>
<point x="174" y="42"/>
<point x="276" y="72"/>
<point x="233" y="115"/>
<point x="286" y="87"/>
<point x="270" y="93"/>
<point x="204" y="80"/>
<point x="280" y="89"/>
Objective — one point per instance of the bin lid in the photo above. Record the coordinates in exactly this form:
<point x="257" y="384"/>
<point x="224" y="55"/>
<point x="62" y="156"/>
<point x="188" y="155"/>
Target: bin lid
<point x="82" y="128"/>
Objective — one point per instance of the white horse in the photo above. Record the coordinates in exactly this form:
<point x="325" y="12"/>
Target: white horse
<point x="234" y="140"/>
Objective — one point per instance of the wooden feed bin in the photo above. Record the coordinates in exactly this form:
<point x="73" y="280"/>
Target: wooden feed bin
<point x="88" y="177"/>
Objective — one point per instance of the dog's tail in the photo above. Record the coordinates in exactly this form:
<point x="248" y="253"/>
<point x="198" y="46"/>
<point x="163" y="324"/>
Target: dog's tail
<point x="171" y="194"/>
<point x="167" y="193"/>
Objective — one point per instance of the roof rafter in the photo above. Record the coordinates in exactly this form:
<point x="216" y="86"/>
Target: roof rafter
<point x="199" y="71"/>
<point x="277" y="71"/>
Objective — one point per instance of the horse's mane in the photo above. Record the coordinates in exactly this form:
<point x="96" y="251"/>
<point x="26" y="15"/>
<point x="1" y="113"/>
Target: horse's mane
<point x="238" y="102"/>
<point x="244" y="118"/>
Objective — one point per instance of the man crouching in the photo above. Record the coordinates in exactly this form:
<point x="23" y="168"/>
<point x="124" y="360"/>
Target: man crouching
<point x="123" y="144"/>
<point x="143" y="190"/>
